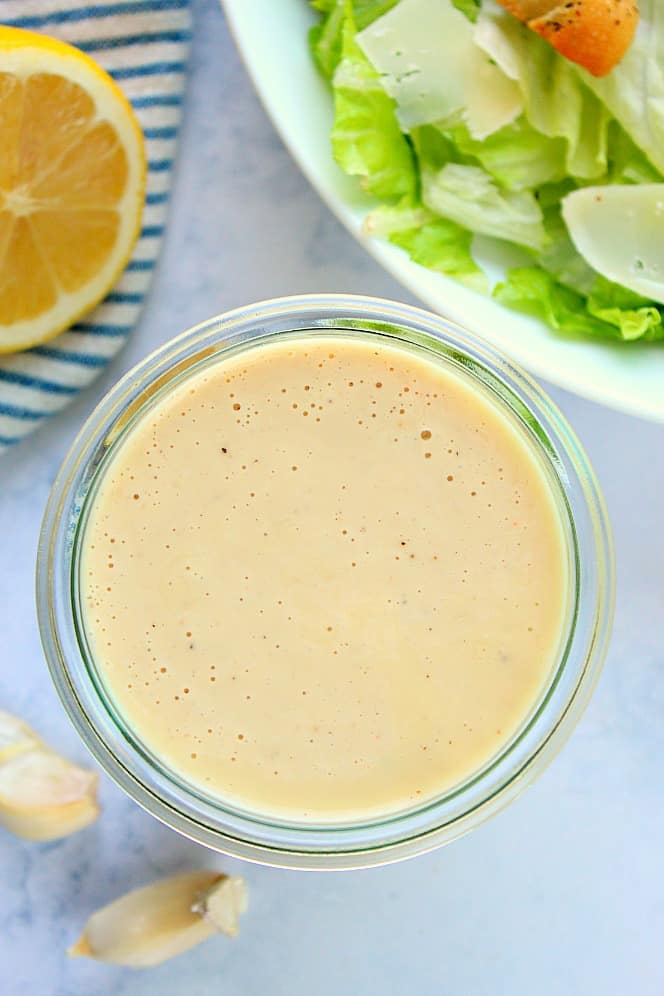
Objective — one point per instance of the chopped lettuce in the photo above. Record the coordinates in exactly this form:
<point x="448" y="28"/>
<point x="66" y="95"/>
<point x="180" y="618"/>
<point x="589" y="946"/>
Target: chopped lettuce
<point x="431" y="241"/>
<point x="556" y="102"/>
<point x="366" y="12"/>
<point x="325" y="38"/>
<point x="469" y="8"/>
<point x="366" y="138"/>
<point x="471" y="197"/>
<point x="560" y="257"/>
<point x="627" y="164"/>
<point x="535" y="292"/>
<point x="605" y="314"/>
<point x="635" y="317"/>
<point x="517" y="156"/>
<point x="634" y="91"/>
<point x="536" y="154"/>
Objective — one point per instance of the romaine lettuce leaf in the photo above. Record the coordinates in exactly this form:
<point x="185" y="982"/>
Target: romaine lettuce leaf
<point x="627" y="164"/>
<point x="634" y="91"/>
<point x="471" y="197"/>
<point x="366" y="12"/>
<point x="634" y="316"/>
<point x="560" y="257"/>
<point x="556" y="101"/>
<point x="469" y="8"/>
<point x="366" y="138"/>
<point x="456" y="188"/>
<point x="325" y="38"/>
<point x="517" y="156"/>
<point x="437" y="243"/>
<point x="535" y="292"/>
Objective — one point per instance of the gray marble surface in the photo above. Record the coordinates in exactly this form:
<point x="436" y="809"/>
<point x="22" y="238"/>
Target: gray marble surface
<point x="560" y="895"/>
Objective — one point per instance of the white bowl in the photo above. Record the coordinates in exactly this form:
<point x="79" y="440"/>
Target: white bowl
<point x="272" y="38"/>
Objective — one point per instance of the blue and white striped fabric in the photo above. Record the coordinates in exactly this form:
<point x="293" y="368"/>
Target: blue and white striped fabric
<point x="143" y="44"/>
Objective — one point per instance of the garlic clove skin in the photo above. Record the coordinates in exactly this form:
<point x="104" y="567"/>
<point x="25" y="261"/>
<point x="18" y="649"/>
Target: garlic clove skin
<point x="159" y="921"/>
<point x="43" y="796"/>
<point x="223" y="903"/>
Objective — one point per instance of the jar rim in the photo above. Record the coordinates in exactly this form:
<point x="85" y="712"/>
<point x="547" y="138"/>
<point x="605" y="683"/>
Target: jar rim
<point x="243" y="835"/>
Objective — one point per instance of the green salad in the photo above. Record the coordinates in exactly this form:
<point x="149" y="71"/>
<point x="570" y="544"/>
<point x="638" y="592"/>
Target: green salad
<point x="466" y="128"/>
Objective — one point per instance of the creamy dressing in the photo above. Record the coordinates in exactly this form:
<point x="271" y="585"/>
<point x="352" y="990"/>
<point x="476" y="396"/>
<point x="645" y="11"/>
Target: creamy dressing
<point x="324" y="579"/>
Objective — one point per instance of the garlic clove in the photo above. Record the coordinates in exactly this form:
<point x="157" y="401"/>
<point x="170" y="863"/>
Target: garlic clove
<point x="15" y="736"/>
<point x="149" y="925"/>
<point x="43" y="796"/>
<point x="223" y="903"/>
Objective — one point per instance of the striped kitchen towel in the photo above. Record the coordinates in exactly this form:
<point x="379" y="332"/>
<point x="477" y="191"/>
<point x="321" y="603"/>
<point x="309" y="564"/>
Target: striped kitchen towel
<point x="143" y="44"/>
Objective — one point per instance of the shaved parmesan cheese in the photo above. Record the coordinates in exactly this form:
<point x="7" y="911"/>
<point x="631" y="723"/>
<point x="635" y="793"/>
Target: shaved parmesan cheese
<point x="619" y="231"/>
<point x="425" y="53"/>
<point x="488" y="35"/>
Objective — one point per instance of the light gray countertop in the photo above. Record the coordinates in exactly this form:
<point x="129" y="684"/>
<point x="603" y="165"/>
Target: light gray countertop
<point x="561" y="894"/>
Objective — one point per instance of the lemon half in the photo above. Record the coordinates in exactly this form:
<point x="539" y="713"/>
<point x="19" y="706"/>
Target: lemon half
<point x="72" y="186"/>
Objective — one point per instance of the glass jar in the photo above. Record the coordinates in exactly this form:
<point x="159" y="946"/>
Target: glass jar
<point x="211" y="822"/>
